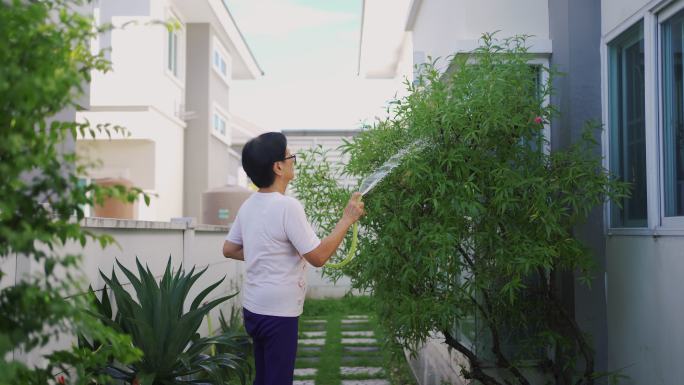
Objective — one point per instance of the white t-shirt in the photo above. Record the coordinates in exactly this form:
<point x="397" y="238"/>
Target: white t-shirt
<point x="274" y="233"/>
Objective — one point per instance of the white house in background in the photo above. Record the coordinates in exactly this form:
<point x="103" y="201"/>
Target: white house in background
<point x="396" y="35"/>
<point x="329" y="140"/>
<point x="170" y="89"/>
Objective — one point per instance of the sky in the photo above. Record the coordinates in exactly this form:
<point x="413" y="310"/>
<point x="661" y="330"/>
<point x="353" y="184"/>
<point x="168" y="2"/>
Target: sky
<point x="308" y="50"/>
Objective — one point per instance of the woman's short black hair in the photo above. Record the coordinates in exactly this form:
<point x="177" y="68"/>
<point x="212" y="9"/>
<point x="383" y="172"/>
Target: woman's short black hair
<point x="260" y="153"/>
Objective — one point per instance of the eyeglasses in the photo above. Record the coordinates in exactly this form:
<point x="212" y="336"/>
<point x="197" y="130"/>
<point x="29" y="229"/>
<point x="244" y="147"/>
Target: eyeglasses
<point x="293" y="157"/>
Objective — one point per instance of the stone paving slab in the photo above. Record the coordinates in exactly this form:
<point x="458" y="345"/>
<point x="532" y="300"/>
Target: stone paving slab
<point x="315" y="321"/>
<point x="315" y="349"/>
<point x="354" y="327"/>
<point x="305" y="372"/>
<point x="312" y="341"/>
<point x="303" y="382"/>
<point x="357" y="316"/>
<point x="313" y="327"/>
<point x="354" y="321"/>
<point x="354" y="359"/>
<point x="313" y="334"/>
<point x="366" y="382"/>
<point x="359" y="341"/>
<point x="359" y="349"/>
<point x="359" y="333"/>
<point x="351" y="370"/>
<point x="309" y="360"/>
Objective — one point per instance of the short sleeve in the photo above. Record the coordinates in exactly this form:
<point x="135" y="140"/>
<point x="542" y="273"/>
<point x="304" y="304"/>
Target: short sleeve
<point x="298" y="230"/>
<point x="235" y="233"/>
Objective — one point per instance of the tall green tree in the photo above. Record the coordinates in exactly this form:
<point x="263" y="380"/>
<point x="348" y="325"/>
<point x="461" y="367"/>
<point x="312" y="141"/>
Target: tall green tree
<point x="465" y="235"/>
<point x="45" y="65"/>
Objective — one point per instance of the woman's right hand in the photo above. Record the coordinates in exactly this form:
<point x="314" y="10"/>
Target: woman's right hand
<point x="354" y="209"/>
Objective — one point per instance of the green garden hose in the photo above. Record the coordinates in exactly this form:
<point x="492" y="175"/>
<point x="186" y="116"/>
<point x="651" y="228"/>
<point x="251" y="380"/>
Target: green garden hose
<point x="368" y="184"/>
<point x="352" y="250"/>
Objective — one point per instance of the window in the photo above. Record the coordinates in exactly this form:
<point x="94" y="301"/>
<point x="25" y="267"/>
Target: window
<point x="536" y="73"/>
<point x="172" y="60"/>
<point x="220" y="63"/>
<point x="220" y="59"/>
<point x="673" y="115"/>
<point x="627" y="129"/>
<point x="219" y="124"/>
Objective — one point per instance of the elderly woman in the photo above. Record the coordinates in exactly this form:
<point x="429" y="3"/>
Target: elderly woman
<point x="272" y="235"/>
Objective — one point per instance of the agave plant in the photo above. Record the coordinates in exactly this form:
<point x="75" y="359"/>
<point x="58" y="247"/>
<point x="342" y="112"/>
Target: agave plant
<point x="232" y="326"/>
<point x="173" y="351"/>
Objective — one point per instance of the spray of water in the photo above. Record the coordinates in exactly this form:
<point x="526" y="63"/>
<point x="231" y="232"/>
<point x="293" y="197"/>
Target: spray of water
<point x="368" y="184"/>
<point x="378" y="175"/>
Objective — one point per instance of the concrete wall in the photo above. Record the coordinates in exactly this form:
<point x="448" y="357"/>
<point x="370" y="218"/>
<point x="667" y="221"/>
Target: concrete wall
<point x="435" y="364"/>
<point x="645" y="311"/>
<point x="210" y="162"/>
<point x="197" y="133"/>
<point x="153" y="243"/>
<point x="575" y="31"/>
<point x="614" y="12"/>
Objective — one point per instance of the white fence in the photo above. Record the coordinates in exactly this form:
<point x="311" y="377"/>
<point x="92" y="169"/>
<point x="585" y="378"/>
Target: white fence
<point x="153" y="243"/>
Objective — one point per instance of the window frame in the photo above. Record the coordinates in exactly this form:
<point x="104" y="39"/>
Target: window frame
<point x="544" y="62"/>
<point x="672" y="222"/>
<point x="653" y="14"/>
<point x="222" y="114"/>
<point x="219" y="48"/>
<point x="174" y="72"/>
<point x="611" y="134"/>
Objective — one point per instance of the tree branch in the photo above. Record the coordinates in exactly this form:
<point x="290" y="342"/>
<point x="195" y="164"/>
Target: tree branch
<point x="475" y="371"/>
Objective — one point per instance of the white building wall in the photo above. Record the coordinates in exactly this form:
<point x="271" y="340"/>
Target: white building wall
<point x="167" y="135"/>
<point x="443" y="27"/>
<point x="645" y="312"/>
<point x="614" y="12"/>
<point x="142" y="95"/>
<point x="139" y="47"/>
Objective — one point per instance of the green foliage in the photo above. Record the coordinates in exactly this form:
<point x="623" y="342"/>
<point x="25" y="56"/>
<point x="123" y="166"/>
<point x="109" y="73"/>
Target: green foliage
<point x="466" y="236"/>
<point x="159" y="325"/>
<point x="46" y="63"/>
<point x="233" y="327"/>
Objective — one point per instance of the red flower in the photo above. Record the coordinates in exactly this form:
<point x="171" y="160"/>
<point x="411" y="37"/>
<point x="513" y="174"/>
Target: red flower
<point x="538" y="120"/>
<point x="61" y="380"/>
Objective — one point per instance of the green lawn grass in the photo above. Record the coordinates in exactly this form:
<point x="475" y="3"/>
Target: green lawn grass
<point x="390" y="356"/>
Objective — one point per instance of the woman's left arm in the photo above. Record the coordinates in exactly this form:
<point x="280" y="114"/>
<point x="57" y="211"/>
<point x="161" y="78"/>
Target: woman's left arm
<point x="233" y="251"/>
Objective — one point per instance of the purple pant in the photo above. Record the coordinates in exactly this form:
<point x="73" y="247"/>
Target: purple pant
<point x="275" y="347"/>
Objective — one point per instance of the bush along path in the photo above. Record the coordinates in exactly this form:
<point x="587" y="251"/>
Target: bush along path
<point x="338" y="345"/>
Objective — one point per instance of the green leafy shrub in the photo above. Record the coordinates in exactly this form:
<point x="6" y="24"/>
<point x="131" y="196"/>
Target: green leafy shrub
<point x="46" y="63"/>
<point x="173" y="351"/>
<point x="467" y="235"/>
<point x="234" y="327"/>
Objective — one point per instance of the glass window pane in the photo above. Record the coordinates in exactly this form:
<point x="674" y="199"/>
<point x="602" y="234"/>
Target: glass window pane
<point x="627" y="125"/>
<point x="673" y="127"/>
